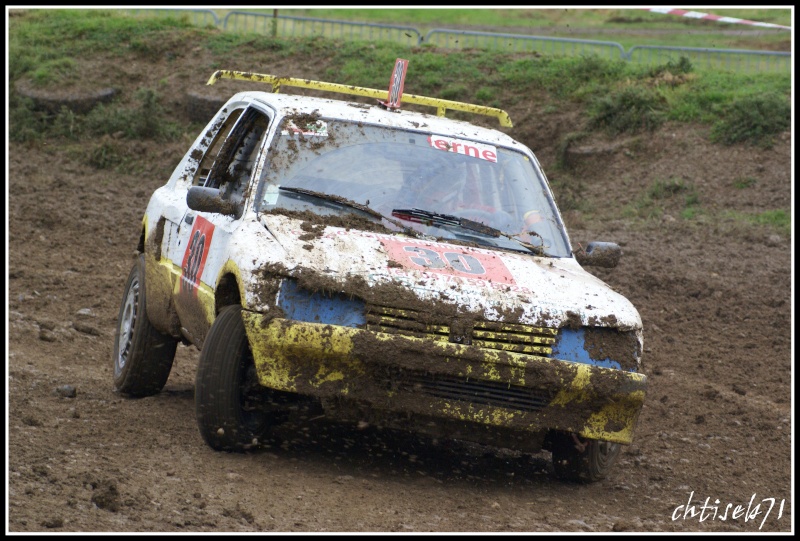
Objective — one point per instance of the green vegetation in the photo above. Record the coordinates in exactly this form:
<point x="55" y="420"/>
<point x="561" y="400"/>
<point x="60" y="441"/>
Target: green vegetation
<point x="144" y="120"/>
<point x="46" y="48"/>
<point x="744" y="182"/>
<point x="754" y="119"/>
<point x="661" y="194"/>
<point x="630" y="110"/>
<point x="778" y="220"/>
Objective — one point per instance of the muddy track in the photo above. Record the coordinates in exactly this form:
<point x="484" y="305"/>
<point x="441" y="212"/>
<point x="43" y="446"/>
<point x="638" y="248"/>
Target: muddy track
<point x="713" y="292"/>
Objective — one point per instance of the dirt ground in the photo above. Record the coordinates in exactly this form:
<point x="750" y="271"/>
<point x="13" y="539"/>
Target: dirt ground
<point x="714" y="294"/>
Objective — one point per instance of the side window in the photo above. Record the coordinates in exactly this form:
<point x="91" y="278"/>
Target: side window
<point x="213" y="150"/>
<point x="233" y="167"/>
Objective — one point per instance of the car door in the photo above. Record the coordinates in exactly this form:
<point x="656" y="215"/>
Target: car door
<point x="201" y="238"/>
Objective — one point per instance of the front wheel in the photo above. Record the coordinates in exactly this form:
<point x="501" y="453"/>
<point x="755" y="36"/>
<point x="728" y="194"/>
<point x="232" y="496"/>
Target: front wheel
<point x="582" y="461"/>
<point x="231" y="406"/>
<point x="142" y="356"/>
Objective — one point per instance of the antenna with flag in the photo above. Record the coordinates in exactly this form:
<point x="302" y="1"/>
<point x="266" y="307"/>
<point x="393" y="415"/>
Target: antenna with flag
<point x="396" y="84"/>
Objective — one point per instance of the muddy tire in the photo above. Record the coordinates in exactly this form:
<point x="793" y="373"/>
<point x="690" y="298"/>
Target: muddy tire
<point x="588" y="465"/>
<point x="142" y="356"/>
<point x="232" y="408"/>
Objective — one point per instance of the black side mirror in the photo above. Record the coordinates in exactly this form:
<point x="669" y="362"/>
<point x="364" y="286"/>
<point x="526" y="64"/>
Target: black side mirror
<point x="600" y="254"/>
<point x="204" y="199"/>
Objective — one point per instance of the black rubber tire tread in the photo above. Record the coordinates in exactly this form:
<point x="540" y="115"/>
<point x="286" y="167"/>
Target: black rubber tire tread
<point x="222" y="368"/>
<point x="151" y="353"/>
<point x="589" y="466"/>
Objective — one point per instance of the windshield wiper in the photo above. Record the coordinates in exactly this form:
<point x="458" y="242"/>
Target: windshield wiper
<point x="343" y="201"/>
<point x="427" y="217"/>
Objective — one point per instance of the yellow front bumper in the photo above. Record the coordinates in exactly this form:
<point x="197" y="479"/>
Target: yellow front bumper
<point x="415" y="375"/>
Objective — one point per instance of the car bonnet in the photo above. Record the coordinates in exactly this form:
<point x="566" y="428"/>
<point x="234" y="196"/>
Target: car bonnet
<point x="553" y="292"/>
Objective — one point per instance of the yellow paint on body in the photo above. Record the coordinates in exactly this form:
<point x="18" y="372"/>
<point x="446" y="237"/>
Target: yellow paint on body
<point x="577" y="390"/>
<point x="326" y="348"/>
<point x="491" y="416"/>
<point x="320" y="359"/>
<point x="614" y="414"/>
<point x="230" y="267"/>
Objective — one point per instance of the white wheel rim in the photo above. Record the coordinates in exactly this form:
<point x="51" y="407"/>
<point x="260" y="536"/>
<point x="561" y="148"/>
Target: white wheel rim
<point x="127" y="323"/>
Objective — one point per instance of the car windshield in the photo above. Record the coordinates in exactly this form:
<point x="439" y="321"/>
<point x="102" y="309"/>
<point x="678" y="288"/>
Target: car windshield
<point x="442" y="179"/>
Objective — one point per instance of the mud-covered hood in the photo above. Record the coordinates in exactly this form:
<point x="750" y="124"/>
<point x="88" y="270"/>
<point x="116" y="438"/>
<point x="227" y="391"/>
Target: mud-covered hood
<point x="544" y="291"/>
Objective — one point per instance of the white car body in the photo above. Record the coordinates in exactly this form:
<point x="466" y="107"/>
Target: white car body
<point x="463" y="303"/>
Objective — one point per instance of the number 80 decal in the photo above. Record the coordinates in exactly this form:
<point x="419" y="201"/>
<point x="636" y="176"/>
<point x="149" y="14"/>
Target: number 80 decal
<point x="445" y="259"/>
<point x="432" y="260"/>
<point x="194" y="259"/>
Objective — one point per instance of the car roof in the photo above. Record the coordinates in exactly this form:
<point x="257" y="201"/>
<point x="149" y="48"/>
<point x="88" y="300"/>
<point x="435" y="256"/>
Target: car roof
<point x="292" y="104"/>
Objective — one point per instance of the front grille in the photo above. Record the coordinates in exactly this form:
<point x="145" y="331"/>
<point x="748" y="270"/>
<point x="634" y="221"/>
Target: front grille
<point x="406" y="322"/>
<point x="478" y="392"/>
<point x="514" y="337"/>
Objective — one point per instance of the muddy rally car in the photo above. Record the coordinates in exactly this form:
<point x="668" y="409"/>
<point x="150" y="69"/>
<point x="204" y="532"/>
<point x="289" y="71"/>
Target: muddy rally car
<point x="393" y="267"/>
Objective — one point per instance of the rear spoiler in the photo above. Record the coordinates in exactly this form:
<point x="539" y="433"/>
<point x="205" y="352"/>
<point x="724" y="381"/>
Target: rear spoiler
<point x="383" y="95"/>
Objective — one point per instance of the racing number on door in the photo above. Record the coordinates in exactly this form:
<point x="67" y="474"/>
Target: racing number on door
<point x="195" y="249"/>
<point x="194" y="258"/>
<point x="433" y="260"/>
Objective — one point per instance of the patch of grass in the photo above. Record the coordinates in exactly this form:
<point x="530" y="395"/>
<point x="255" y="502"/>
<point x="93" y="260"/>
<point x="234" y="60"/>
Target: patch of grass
<point x="682" y="65"/>
<point x="74" y="32"/>
<point x="629" y="110"/>
<point x="229" y="42"/>
<point x="691" y="213"/>
<point x="778" y="220"/>
<point x="454" y="92"/>
<point x="709" y="96"/>
<point x="108" y="154"/>
<point x="66" y="124"/>
<point x="653" y="202"/>
<point x="744" y="182"/>
<point x="55" y="70"/>
<point x="753" y="119"/>
<point x="146" y="121"/>
<point x="486" y="96"/>
<point x="565" y="77"/>
<point x="664" y="189"/>
<point x="25" y="124"/>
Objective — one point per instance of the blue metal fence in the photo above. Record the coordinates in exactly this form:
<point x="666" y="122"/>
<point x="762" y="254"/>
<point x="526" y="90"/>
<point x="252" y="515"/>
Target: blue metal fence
<point x="718" y="59"/>
<point x="290" y="26"/>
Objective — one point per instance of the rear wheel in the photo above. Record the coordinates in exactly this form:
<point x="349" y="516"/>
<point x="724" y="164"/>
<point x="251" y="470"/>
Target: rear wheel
<point x="232" y="407"/>
<point x="582" y="461"/>
<point x="142" y="356"/>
